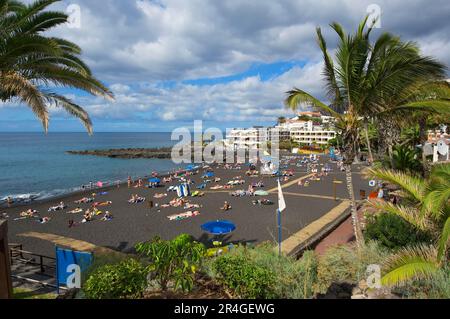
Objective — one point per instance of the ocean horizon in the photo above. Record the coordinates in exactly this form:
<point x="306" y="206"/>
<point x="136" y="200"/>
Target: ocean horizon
<point x="36" y="165"/>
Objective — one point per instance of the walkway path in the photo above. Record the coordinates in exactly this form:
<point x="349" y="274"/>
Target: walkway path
<point x="305" y="236"/>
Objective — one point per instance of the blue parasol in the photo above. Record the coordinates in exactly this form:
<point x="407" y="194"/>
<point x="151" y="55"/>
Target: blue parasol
<point x="190" y="168"/>
<point x="209" y="174"/>
<point x="219" y="227"/>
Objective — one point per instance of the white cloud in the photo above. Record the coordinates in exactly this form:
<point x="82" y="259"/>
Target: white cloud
<point x="137" y="45"/>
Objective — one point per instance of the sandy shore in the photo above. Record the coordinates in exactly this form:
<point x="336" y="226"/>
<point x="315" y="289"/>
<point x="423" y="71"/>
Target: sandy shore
<point x="133" y="223"/>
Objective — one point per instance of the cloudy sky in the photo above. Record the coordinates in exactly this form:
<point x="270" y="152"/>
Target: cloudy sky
<point x="228" y="62"/>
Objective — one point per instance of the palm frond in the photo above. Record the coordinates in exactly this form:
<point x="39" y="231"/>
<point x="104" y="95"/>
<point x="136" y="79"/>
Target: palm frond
<point x="413" y="186"/>
<point x="13" y="84"/>
<point x="71" y="108"/>
<point x="410" y="264"/>
<point x="433" y="106"/>
<point x="409" y="214"/>
<point x="30" y="60"/>
<point x="437" y="200"/>
<point x="443" y="240"/>
<point x="329" y="73"/>
<point x="298" y="97"/>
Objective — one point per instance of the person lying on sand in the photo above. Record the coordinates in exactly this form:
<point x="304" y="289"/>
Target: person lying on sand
<point x="108" y="216"/>
<point x="44" y="220"/>
<point x="29" y="213"/>
<point x="190" y="206"/>
<point x="96" y="212"/>
<point x="262" y="202"/>
<point x="136" y="199"/>
<point x="101" y="204"/>
<point x="61" y="206"/>
<point x="84" y="200"/>
<point x="226" y="206"/>
<point x="183" y="215"/>
<point x="76" y="211"/>
<point x="87" y="217"/>
<point x="160" y="195"/>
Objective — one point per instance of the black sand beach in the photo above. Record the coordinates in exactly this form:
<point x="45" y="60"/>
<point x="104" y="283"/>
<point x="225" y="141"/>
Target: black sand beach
<point x="133" y="223"/>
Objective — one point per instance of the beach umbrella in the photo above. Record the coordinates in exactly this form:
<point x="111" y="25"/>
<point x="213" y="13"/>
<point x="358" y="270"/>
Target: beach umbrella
<point x="219" y="227"/>
<point x="209" y="174"/>
<point x="261" y="193"/>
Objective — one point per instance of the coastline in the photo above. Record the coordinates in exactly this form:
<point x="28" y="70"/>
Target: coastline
<point x="79" y="191"/>
<point x="133" y="223"/>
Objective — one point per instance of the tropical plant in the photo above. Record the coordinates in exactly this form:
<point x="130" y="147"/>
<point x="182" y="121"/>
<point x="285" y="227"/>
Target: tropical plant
<point x="404" y="159"/>
<point x="127" y="279"/>
<point x="247" y="279"/>
<point x="33" y="64"/>
<point x="425" y="204"/>
<point x="174" y="261"/>
<point x="392" y="231"/>
<point x="289" y="278"/>
<point x="347" y="263"/>
<point x="413" y="104"/>
<point x="366" y="81"/>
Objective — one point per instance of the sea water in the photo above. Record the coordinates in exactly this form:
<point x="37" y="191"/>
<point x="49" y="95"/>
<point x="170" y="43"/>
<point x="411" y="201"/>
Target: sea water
<point x="37" y="165"/>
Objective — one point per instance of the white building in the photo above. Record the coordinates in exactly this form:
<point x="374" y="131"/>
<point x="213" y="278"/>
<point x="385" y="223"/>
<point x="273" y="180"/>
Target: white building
<point x="298" y="129"/>
<point x="247" y="138"/>
<point x="438" y="145"/>
<point x="317" y="136"/>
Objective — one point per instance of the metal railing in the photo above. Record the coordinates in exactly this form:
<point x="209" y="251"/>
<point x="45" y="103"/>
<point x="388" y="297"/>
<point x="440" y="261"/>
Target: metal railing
<point x="17" y="253"/>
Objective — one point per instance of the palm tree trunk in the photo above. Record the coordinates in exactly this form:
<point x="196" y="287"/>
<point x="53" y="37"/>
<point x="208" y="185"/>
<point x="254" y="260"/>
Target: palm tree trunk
<point x="369" y="147"/>
<point x="355" y="220"/>
<point x="423" y="140"/>
<point x="349" y="151"/>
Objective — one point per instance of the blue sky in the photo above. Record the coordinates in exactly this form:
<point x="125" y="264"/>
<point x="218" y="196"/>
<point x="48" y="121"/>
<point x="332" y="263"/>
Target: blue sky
<point x="228" y="63"/>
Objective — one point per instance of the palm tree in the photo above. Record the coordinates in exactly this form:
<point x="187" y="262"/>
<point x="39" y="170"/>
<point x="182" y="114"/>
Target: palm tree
<point x="405" y="159"/>
<point x="425" y="205"/>
<point x="281" y="120"/>
<point x="414" y="103"/>
<point x="361" y="84"/>
<point x="32" y="64"/>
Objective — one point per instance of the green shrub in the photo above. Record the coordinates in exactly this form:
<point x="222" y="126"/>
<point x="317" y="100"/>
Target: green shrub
<point x="291" y="279"/>
<point x="127" y="279"/>
<point x="347" y="264"/>
<point x="173" y="262"/>
<point x="392" y="231"/>
<point x="247" y="279"/>
<point x="435" y="287"/>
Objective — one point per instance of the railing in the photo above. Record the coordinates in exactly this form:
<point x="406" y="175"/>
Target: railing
<point x="17" y="253"/>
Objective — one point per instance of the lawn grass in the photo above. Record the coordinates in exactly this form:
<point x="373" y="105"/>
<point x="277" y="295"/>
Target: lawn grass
<point x="22" y="293"/>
